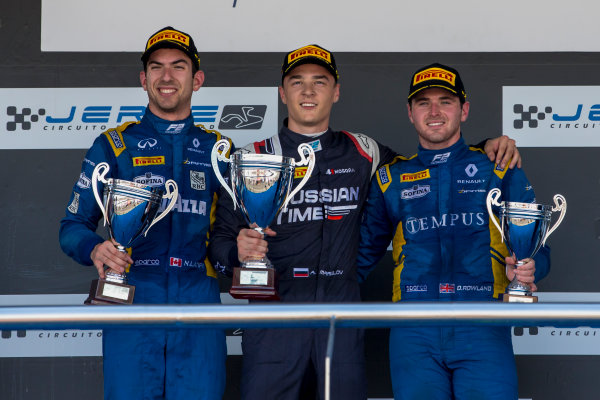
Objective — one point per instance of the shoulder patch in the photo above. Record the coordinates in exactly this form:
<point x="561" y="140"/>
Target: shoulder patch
<point x="499" y="171"/>
<point x="115" y="137"/>
<point x="384" y="177"/>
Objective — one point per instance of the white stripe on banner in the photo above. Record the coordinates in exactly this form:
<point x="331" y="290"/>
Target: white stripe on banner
<point x="369" y="26"/>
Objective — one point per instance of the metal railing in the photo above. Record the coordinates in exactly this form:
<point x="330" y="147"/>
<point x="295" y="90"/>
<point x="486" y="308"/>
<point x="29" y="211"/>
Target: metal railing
<point x="331" y="315"/>
<point x="370" y="315"/>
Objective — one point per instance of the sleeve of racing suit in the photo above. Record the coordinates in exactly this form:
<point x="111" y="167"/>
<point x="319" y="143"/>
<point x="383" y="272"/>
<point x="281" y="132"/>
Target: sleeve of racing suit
<point x="77" y="233"/>
<point x="518" y="188"/>
<point x="376" y="232"/>
<point x="222" y="248"/>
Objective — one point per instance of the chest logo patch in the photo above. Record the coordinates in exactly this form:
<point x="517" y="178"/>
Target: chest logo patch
<point x="197" y="180"/>
<point x="415" y="192"/>
<point x="145" y="161"/>
<point x="415" y="176"/>
<point x="299" y="172"/>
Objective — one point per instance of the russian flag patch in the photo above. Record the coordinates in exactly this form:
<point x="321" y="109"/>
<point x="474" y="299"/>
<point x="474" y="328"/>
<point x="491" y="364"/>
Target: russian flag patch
<point x="300" y="272"/>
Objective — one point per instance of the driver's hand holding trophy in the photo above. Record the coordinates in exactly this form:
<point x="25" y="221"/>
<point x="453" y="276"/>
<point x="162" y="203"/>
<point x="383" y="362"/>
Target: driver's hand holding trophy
<point x="129" y="210"/>
<point x="524" y="228"/>
<point x="261" y="186"/>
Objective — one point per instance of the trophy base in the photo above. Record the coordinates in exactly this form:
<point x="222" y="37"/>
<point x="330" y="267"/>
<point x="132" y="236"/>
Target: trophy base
<point x="254" y="284"/>
<point x="519" y="298"/>
<point x="109" y="293"/>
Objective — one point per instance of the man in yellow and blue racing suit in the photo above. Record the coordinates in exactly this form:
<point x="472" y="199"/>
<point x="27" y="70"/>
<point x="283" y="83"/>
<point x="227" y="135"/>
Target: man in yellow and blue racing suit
<point x="433" y="208"/>
<point x="169" y="265"/>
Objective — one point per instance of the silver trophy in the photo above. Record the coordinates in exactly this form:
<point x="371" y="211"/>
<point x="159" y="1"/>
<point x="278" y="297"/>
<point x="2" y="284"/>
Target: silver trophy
<point x="261" y="186"/>
<point x="130" y="209"/>
<point x="524" y="227"/>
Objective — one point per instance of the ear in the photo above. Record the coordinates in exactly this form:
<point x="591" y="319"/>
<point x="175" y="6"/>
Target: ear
<point x="198" y="80"/>
<point x="143" y="79"/>
<point x="282" y="95"/>
<point x="336" y="95"/>
<point x="465" y="111"/>
<point x="409" y="109"/>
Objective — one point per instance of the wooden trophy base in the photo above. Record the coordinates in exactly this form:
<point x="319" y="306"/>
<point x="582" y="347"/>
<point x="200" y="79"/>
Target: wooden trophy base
<point x="254" y="284"/>
<point x="519" y="298"/>
<point x="109" y="293"/>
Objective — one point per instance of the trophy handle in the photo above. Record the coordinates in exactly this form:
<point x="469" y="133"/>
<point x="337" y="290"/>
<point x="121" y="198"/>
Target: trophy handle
<point x="222" y="145"/>
<point x="560" y="204"/>
<point x="172" y="193"/>
<point x="492" y="199"/>
<point x="304" y="160"/>
<point x="99" y="174"/>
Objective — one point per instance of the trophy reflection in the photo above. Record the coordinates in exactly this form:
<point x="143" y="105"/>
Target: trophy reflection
<point x="524" y="228"/>
<point x="260" y="186"/>
<point x="129" y="209"/>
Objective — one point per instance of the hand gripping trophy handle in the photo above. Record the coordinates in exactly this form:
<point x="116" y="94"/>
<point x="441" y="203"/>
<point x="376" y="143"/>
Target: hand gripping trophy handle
<point x="218" y="154"/>
<point x="525" y="228"/>
<point x="307" y="157"/>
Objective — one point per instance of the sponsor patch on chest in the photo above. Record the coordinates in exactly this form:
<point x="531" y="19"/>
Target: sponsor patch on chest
<point x="197" y="180"/>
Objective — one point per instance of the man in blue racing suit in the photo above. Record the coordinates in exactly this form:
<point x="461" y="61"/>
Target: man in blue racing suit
<point x="433" y="208"/>
<point x="169" y="265"/>
<point x="314" y="249"/>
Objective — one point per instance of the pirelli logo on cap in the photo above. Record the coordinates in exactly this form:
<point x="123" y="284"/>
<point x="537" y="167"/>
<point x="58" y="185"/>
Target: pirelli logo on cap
<point x="435" y="73"/>
<point x="416" y="176"/>
<point x="309" y="51"/>
<point x="168" y="35"/>
<point x="300" y="172"/>
<point x="145" y="161"/>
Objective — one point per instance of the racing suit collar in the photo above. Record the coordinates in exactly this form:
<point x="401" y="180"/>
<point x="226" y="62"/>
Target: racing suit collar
<point x="168" y="127"/>
<point x="287" y="134"/>
<point x="442" y="156"/>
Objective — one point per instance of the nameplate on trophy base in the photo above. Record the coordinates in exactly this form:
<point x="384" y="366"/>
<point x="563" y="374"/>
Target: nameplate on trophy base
<point x="107" y="292"/>
<point x="254" y="283"/>
<point x="518" y="298"/>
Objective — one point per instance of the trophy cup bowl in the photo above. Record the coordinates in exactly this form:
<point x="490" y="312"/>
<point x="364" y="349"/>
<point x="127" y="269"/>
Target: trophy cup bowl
<point x="129" y="209"/>
<point x="524" y="228"/>
<point x="261" y="186"/>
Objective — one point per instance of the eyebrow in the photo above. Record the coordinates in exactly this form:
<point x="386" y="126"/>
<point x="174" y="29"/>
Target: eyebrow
<point x="311" y="77"/>
<point x="179" y="61"/>
<point x="420" y="98"/>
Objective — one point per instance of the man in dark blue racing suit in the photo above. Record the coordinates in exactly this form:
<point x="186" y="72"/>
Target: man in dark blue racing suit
<point x="314" y="249"/>
<point x="433" y="208"/>
<point x="169" y="265"/>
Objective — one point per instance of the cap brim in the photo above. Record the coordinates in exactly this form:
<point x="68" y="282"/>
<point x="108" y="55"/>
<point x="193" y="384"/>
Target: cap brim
<point x="166" y="44"/>
<point x="310" y="60"/>
<point x="433" y="85"/>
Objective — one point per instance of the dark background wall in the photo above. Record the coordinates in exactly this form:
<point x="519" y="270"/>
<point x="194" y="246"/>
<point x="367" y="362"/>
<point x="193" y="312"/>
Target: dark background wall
<point x="35" y="185"/>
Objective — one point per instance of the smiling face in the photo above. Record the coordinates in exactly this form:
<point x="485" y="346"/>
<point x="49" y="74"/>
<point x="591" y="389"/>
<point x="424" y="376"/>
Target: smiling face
<point x="436" y="114"/>
<point x="170" y="82"/>
<point x="309" y="92"/>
